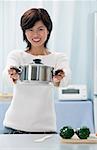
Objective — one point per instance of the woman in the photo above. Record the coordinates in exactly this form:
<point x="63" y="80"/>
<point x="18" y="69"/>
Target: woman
<point x="32" y="107"/>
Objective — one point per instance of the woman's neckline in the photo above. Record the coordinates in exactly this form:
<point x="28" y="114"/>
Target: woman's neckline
<point x="38" y="55"/>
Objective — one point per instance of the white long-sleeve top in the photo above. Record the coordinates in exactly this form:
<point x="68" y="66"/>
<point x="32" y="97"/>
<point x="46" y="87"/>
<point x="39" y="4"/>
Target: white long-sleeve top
<point x="32" y="106"/>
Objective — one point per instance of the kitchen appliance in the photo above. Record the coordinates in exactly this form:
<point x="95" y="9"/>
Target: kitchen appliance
<point x="35" y="71"/>
<point x="73" y="92"/>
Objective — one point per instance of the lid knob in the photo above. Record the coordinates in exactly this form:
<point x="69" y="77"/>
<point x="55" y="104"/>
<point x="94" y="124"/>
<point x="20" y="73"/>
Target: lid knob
<point x="37" y="61"/>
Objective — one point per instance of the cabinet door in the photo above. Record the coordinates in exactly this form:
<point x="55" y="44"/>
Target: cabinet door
<point x="95" y="53"/>
<point x="95" y="71"/>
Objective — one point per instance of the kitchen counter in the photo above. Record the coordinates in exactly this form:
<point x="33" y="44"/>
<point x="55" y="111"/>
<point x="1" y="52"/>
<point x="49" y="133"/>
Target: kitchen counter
<point x="27" y="142"/>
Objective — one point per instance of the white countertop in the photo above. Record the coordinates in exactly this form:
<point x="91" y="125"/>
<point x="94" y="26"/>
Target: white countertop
<point x="27" y="142"/>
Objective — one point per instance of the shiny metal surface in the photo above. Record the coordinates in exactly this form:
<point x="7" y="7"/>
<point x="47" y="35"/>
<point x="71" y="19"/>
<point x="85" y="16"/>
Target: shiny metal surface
<point x="37" y="72"/>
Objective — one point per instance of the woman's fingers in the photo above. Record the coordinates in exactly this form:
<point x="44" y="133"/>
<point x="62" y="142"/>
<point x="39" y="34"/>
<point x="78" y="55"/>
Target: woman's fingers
<point x="12" y="71"/>
<point x="57" y="78"/>
<point x="13" y="74"/>
<point x="59" y="75"/>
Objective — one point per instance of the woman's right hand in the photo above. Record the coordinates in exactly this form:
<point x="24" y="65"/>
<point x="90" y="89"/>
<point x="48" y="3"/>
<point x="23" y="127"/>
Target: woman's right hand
<point x="13" y="74"/>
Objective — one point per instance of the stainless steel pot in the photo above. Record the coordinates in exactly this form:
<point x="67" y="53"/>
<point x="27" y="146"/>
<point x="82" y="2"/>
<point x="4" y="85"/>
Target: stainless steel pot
<point x="36" y="72"/>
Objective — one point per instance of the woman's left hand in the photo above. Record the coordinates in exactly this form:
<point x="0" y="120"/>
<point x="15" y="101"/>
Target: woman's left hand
<point x="59" y="75"/>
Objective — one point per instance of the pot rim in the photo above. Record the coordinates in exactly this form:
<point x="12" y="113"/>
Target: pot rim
<point x="36" y="65"/>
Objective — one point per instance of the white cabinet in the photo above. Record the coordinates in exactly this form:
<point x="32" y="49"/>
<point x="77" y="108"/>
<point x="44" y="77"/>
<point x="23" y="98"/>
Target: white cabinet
<point x="95" y="71"/>
<point x="75" y="114"/>
<point x="95" y="113"/>
<point x="95" y="53"/>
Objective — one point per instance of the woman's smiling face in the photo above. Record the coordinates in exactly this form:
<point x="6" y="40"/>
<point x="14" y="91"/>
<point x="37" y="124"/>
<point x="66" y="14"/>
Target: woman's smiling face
<point x="37" y="35"/>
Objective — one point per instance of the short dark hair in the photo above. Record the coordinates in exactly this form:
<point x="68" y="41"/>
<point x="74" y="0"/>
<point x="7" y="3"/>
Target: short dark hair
<point x="30" y="17"/>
